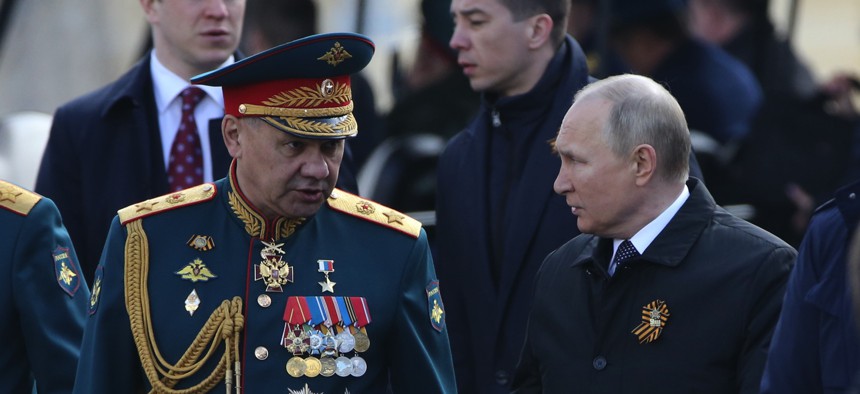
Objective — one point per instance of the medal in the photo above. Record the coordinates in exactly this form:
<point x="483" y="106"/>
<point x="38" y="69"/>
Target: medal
<point x="362" y="342"/>
<point x="273" y="270"/>
<point x="312" y="367"/>
<point x="201" y="243"/>
<point x="327" y="366"/>
<point x="296" y="367"/>
<point x="362" y="318"/>
<point x="326" y="267"/>
<point x="359" y="366"/>
<point x="343" y="366"/>
<point x="345" y="341"/>
<point x="296" y="341"/>
<point x="654" y="318"/>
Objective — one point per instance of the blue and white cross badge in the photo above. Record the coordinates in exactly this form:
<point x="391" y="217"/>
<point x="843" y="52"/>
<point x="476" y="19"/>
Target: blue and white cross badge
<point x="434" y="303"/>
<point x="67" y="273"/>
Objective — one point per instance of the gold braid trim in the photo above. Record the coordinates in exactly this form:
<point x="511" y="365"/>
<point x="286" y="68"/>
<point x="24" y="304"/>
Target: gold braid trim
<point x="286" y="227"/>
<point x="312" y="128"/>
<point x="253" y="223"/>
<point x="261" y="110"/>
<point x="224" y="325"/>
<point x="309" y="97"/>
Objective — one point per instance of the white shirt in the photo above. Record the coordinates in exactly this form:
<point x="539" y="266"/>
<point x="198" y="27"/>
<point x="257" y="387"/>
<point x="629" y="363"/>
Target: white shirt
<point x="167" y="87"/>
<point x="643" y="238"/>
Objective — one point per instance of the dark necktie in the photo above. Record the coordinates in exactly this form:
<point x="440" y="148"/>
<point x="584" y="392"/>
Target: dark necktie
<point x="626" y="251"/>
<point x="185" y="167"/>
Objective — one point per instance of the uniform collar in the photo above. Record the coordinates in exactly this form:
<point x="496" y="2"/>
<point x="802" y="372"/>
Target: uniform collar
<point x="255" y="223"/>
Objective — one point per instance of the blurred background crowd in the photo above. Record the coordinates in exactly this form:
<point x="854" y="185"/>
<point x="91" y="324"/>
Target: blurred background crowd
<point x="771" y="154"/>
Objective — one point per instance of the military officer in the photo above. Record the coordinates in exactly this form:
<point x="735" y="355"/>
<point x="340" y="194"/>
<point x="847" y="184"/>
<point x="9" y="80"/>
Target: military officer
<point x="270" y="280"/>
<point x="43" y="297"/>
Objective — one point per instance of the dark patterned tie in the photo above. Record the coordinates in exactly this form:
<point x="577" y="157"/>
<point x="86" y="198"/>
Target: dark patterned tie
<point x="626" y="251"/>
<point x="185" y="168"/>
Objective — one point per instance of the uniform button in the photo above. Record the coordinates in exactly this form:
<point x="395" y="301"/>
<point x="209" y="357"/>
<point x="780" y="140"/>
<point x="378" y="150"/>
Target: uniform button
<point x="599" y="363"/>
<point x="261" y="353"/>
<point x="501" y="377"/>
<point x="264" y="300"/>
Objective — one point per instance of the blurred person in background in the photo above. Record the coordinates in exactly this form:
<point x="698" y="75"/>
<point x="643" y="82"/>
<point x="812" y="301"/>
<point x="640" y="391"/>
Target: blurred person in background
<point x="118" y="145"/>
<point x="44" y="297"/>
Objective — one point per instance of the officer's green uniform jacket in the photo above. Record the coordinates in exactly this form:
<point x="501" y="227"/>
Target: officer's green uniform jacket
<point x="376" y="254"/>
<point x="43" y="297"/>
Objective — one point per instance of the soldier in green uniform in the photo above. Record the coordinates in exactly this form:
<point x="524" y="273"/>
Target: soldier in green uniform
<point x="270" y="280"/>
<point x="43" y="297"/>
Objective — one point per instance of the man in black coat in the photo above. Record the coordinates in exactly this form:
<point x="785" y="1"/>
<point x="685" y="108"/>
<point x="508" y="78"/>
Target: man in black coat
<point x="110" y="148"/>
<point x="664" y="291"/>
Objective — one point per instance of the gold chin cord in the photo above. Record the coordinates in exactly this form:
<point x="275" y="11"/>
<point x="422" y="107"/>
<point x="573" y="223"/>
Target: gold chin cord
<point x="224" y="325"/>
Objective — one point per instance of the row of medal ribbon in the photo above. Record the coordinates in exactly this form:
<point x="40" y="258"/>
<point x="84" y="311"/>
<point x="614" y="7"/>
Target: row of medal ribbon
<point x="328" y="327"/>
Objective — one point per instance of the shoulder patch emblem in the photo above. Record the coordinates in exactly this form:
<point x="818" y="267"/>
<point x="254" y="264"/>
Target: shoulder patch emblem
<point x="97" y="290"/>
<point x="435" y="306"/>
<point x="374" y="212"/>
<point x="67" y="272"/>
<point x="17" y="199"/>
<point x="191" y="196"/>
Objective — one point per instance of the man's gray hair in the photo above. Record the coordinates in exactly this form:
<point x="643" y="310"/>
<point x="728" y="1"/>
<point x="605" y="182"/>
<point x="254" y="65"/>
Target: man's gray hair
<point x="644" y="112"/>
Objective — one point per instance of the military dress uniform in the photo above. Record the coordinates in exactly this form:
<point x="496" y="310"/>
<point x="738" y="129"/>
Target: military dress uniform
<point x="43" y="297"/>
<point x="197" y="290"/>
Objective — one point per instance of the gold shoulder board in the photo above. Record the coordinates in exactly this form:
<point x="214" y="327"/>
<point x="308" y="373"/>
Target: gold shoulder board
<point x="182" y="198"/>
<point x="17" y="199"/>
<point x="374" y="212"/>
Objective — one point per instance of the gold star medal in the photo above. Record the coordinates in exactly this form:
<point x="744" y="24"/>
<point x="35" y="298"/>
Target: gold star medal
<point x="326" y="267"/>
<point x="654" y="318"/>
<point x="273" y="270"/>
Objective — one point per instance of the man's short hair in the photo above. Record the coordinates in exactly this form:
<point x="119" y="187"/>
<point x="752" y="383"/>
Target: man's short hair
<point x="644" y="112"/>
<point x="558" y="10"/>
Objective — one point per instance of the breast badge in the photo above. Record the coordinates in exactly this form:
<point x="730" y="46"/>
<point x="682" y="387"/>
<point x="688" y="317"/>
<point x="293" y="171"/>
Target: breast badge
<point x="273" y="270"/>
<point x="66" y="271"/>
<point x="192" y="302"/>
<point x="196" y="271"/>
<point x="654" y="318"/>
<point x="437" y="309"/>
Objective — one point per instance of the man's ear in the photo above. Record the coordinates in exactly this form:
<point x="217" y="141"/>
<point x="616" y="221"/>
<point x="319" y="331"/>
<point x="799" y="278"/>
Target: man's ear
<point x="148" y="9"/>
<point x="645" y="161"/>
<point x="230" y="131"/>
<point x="539" y="30"/>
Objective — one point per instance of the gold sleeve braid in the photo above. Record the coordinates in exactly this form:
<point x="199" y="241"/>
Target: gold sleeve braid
<point x="224" y="325"/>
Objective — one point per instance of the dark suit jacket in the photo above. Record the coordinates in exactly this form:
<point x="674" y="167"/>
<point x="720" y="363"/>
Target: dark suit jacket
<point x="487" y="322"/>
<point x="104" y="153"/>
<point x="722" y="281"/>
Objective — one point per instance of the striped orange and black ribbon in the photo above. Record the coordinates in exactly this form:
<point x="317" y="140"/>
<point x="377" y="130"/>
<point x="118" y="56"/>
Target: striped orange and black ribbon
<point x="654" y="317"/>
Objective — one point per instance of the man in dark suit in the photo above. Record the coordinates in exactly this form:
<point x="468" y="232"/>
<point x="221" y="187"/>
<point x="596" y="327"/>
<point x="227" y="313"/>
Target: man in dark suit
<point x="112" y="147"/>
<point x="664" y="292"/>
<point x="43" y="299"/>
<point x="497" y="217"/>
<point x="270" y="279"/>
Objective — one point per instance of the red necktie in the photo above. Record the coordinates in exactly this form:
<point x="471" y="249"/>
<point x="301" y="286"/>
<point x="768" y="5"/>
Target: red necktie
<point x="185" y="168"/>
